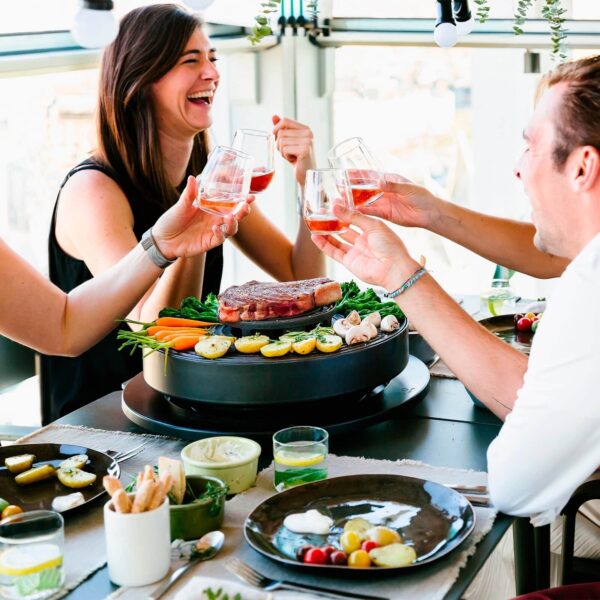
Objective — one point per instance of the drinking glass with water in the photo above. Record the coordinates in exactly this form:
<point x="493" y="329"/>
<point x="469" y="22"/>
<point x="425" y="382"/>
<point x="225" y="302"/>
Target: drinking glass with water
<point x="300" y="455"/>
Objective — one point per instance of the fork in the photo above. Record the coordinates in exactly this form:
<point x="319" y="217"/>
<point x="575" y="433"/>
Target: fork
<point x="122" y="456"/>
<point x="252" y="577"/>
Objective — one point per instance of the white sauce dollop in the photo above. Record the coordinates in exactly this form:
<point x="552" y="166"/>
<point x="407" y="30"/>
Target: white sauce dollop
<point x="311" y="521"/>
<point x="62" y="503"/>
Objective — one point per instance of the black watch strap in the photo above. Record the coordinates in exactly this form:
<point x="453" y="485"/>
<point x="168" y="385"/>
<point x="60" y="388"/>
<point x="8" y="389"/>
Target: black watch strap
<point x="154" y="254"/>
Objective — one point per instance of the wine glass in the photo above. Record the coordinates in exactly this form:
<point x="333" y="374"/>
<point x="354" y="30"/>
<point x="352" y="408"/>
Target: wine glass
<point x="364" y="174"/>
<point x="225" y="180"/>
<point x="324" y="189"/>
<point x="259" y="145"/>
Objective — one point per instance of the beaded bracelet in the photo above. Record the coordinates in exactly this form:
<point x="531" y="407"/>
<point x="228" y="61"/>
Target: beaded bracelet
<point x="409" y="282"/>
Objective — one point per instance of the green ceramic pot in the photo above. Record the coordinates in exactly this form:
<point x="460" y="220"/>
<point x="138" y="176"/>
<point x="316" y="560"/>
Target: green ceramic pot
<point x="193" y="519"/>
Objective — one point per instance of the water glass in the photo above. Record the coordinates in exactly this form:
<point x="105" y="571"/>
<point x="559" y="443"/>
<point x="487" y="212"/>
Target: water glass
<point x="364" y="173"/>
<point x="225" y="181"/>
<point x="499" y="299"/>
<point x="325" y="189"/>
<point x="260" y="146"/>
<point x="31" y="555"/>
<point x="300" y="456"/>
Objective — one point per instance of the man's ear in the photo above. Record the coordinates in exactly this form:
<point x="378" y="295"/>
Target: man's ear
<point x="585" y="168"/>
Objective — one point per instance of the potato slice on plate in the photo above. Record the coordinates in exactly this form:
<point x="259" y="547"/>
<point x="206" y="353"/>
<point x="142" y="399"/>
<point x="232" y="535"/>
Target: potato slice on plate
<point x="36" y="474"/>
<point x="250" y="344"/>
<point x="212" y="347"/>
<point x="75" y="478"/>
<point x="383" y="535"/>
<point x="393" y="555"/>
<point x="20" y="463"/>
<point x="329" y="343"/>
<point x="74" y="462"/>
<point x="359" y="525"/>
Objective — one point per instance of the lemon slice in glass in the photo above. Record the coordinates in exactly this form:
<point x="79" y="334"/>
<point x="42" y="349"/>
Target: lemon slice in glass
<point x="298" y="459"/>
<point x="16" y="562"/>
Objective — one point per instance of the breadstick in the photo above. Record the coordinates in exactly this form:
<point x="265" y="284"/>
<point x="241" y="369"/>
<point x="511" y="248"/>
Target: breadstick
<point x="167" y="480"/>
<point x="159" y="495"/>
<point x="143" y="497"/>
<point x="148" y="473"/>
<point x="139" y="480"/>
<point x="121" y="501"/>
<point x="111" y="484"/>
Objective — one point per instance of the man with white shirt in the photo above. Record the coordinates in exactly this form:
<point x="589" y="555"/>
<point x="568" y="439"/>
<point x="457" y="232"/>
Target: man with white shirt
<point x="550" y="442"/>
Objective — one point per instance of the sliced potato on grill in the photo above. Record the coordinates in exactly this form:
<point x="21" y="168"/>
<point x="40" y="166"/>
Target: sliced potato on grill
<point x="329" y="343"/>
<point x="212" y="347"/>
<point x="250" y="344"/>
<point x="292" y="336"/>
<point x="276" y="349"/>
<point x="305" y="346"/>
<point x="74" y="462"/>
<point x="230" y="338"/>
<point x="75" y="478"/>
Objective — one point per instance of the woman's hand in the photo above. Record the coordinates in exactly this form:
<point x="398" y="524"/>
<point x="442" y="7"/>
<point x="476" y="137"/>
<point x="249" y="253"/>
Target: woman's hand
<point x="404" y="203"/>
<point x="294" y="142"/>
<point x="185" y="230"/>
<point x="372" y="251"/>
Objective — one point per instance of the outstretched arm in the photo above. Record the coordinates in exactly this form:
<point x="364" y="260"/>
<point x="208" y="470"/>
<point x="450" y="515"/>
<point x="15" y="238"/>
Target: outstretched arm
<point x="503" y="241"/>
<point x="34" y="312"/>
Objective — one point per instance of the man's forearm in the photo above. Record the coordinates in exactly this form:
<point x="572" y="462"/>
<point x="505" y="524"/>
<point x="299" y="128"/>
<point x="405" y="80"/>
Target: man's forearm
<point x="489" y="368"/>
<point x="502" y="241"/>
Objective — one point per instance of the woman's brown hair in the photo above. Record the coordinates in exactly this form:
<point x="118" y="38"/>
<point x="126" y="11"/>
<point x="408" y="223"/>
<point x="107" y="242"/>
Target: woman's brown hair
<point x="150" y="41"/>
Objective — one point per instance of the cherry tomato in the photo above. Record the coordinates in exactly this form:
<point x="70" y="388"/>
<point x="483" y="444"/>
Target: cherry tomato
<point x="329" y="550"/>
<point x="368" y="545"/>
<point x="524" y="324"/>
<point x="350" y="541"/>
<point x="300" y="552"/>
<point x="359" y="559"/>
<point x="11" y="510"/>
<point x="530" y="315"/>
<point x="338" y="558"/>
<point x="315" y="556"/>
<point x="534" y="326"/>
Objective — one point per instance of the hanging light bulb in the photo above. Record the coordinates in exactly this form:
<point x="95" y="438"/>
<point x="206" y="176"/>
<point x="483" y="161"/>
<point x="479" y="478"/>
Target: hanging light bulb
<point x="445" y="34"/>
<point x="463" y="17"/>
<point x="198" y="5"/>
<point x="95" y="25"/>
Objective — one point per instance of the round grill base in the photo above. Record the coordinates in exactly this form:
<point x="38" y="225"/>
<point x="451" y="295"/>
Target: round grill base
<point x="151" y="410"/>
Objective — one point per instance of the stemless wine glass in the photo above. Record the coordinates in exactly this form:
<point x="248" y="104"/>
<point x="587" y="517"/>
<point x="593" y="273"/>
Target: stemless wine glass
<point x="324" y="189"/>
<point x="364" y="174"/>
<point x="259" y="145"/>
<point x="225" y="181"/>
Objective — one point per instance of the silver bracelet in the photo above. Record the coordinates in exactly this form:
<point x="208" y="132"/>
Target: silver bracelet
<point x="154" y="254"/>
<point x="408" y="283"/>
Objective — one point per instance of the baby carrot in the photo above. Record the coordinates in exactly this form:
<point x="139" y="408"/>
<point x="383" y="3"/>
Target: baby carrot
<point x="185" y="342"/>
<point x="161" y="335"/>
<point x="174" y="336"/>
<point x="178" y="322"/>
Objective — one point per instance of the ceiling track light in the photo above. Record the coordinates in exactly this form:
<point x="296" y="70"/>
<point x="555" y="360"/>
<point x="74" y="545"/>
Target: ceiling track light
<point x="94" y="25"/>
<point x="445" y="33"/>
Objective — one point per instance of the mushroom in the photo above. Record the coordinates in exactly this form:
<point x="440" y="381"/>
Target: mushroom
<point x="374" y="318"/>
<point x="341" y="326"/>
<point x="360" y="333"/>
<point x="389" y="323"/>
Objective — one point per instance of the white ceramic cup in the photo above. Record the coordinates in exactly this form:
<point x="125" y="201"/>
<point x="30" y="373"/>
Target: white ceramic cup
<point x="138" y="546"/>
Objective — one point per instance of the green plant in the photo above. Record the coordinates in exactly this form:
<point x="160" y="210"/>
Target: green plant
<point x="552" y="10"/>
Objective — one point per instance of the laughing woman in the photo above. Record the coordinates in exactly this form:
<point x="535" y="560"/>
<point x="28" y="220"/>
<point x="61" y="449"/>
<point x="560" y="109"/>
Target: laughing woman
<point x="158" y="81"/>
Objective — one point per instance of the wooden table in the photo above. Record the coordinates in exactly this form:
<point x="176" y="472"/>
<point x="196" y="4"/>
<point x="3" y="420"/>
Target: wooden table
<point x="445" y="429"/>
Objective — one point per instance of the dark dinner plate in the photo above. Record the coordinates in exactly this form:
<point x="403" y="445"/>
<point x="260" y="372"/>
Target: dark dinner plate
<point x="40" y="495"/>
<point x="430" y="517"/>
<point x="503" y="326"/>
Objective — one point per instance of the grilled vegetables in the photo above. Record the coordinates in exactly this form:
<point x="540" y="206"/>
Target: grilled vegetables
<point x="20" y="463"/>
<point x="75" y="478"/>
<point x="36" y="474"/>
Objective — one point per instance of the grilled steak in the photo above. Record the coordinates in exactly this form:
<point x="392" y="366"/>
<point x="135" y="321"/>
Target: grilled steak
<point x="256" y="300"/>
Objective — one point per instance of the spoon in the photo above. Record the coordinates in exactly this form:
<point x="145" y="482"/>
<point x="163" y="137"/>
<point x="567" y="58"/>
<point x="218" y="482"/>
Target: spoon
<point x="207" y="546"/>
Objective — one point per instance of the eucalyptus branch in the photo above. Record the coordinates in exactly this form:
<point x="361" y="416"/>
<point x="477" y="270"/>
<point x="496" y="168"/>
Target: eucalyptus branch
<point x="261" y="28"/>
<point x="483" y="10"/>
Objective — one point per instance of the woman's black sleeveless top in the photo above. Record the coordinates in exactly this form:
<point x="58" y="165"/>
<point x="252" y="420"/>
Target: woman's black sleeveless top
<point x="69" y="383"/>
